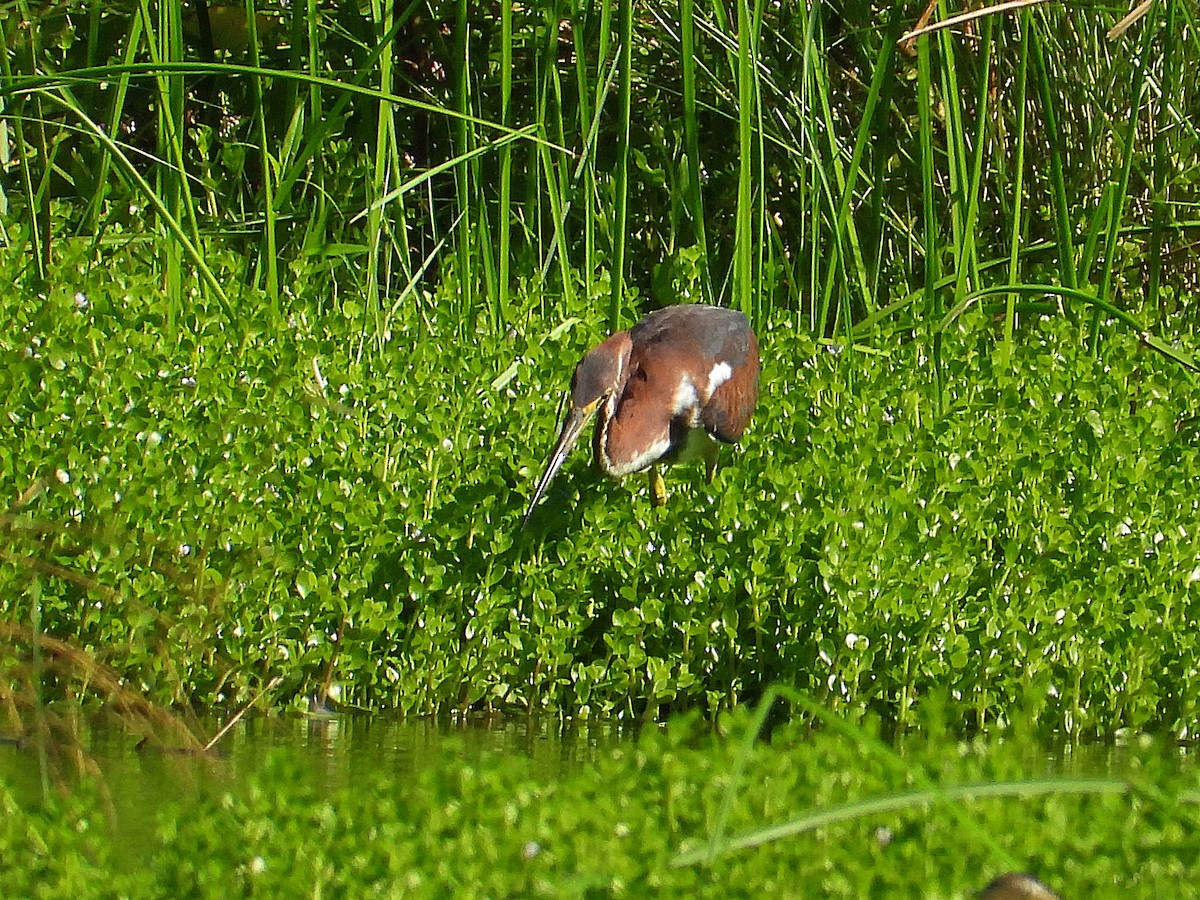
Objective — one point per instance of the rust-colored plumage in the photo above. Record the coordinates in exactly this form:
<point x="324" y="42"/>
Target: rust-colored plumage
<point x="680" y="383"/>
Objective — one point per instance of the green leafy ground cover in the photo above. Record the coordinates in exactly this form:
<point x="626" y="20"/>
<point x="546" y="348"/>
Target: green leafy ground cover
<point x="204" y="504"/>
<point x="214" y="495"/>
<point x="678" y="812"/>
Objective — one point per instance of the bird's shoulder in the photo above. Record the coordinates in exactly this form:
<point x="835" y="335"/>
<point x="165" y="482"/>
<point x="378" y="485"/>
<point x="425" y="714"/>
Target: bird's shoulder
<point x="711" y="332"/>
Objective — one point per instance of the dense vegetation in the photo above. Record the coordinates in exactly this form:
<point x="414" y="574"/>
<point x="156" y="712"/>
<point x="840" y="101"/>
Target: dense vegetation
<point x="291" y="293"/>
<point x="226" y="510"/>
<point x="305" y="287"/>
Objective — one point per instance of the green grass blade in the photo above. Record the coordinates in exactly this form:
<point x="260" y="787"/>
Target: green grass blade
<point x="1017" y="204"/>
<point x="1060" y="207"/>
<point x="269" y="260"/>
<point x="693" y="195"/>
<point x="621" y="175"/>
<point x="504" y="210"/>
<point x="932" y="247"/>
<point x="190" y="250"/>
<point x="906" y="801"/>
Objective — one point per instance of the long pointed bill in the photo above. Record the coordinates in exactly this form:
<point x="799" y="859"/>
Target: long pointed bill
<point x="571" y="429"/>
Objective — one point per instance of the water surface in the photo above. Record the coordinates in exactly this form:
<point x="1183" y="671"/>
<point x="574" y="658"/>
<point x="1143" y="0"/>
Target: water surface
<point x="137" y="781"/>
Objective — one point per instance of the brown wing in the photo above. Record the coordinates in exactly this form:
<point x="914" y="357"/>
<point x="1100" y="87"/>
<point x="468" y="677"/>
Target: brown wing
<point x="728" y="411"/>
<point x="678" y="355"/>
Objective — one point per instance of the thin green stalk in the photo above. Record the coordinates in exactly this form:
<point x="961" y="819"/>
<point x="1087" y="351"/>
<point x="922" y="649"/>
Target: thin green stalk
<point x="842" y="224"/>
<point x="556" y="167"/>
<point x="1103" y="308"/>
<point x="554" y="193"/>
<point x="585" y="180"/>
<point x="316" y="106"/>
<point x="164" y="42"/>
<point x="604" y="34"/>
<point x="37" y="200"/>
<point x="957" y="155"/>
<point x="1058" y="185"/>
<point x="173" y="226"/>
<point x="843" y="263"/>
<point x="693" y="196"/>
<point x="27" y="83"/>
<point x="270" y="248"/>
<point x="1018" y="192"/>
<point x="930" y="236"/>
<point x="925" y="788"/>
<point x="621" y="176"/>
<point x="462" y="176"/>
<point x="133" y="39"/>
<point x="758" y="306"/>
<point x="814" y="186"/>
<point x="744" y="232"/>
<point x="967" y="261"/>
<point x="381" y="168"/>
<point x="873" y="807"/>
<point x="1121" y="189"/>
<point x="504" y="210"/>
<point x="40" y="733"/>
<point x="1172" y="81"/>
<point x="324" y="121"/>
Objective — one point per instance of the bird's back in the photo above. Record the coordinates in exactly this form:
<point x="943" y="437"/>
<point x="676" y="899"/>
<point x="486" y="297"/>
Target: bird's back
<point x="710" y="334"/>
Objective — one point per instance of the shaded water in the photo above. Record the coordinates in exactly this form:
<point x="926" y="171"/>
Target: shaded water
<point x="332" y="751"/>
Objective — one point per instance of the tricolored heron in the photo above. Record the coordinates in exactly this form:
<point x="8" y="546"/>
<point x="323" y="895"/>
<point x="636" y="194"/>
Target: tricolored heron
<point x="680" y="383"/>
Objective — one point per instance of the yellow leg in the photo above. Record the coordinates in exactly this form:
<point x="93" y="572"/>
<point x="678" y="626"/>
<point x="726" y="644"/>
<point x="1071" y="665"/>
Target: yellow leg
<point x="658" y="489"/>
